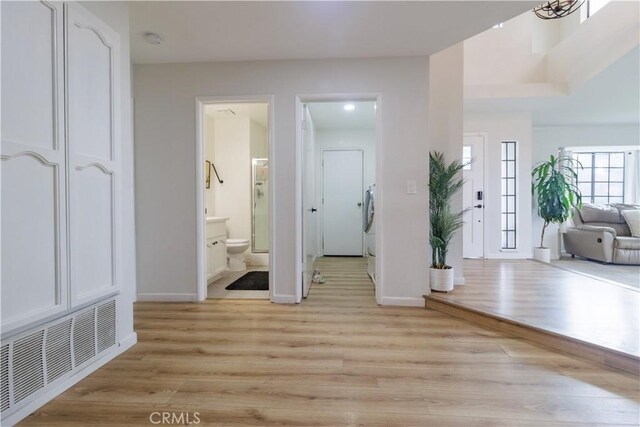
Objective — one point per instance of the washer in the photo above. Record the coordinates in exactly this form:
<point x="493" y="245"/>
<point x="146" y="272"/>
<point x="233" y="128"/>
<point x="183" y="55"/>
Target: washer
<point x="370" y="230"/>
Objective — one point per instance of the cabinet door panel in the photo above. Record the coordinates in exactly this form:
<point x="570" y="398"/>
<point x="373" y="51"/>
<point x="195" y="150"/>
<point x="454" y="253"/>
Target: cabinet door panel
<point x="94" y="160"/>
<point x="32" y="169"/>
<point x="30" y="270"/>
<point x="219" y="257"/>
<point x="90" y="56"/>
<point x="93" y="251"/>
<point x="30" y="37"/>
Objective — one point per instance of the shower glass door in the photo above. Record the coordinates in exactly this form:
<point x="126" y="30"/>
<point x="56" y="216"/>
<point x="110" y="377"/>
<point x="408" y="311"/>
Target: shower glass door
<point x="260" y="212"/>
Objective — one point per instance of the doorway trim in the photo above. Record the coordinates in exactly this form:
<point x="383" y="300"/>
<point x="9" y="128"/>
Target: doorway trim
<point x="200" y="103"/>
<point x="300" y="100"/>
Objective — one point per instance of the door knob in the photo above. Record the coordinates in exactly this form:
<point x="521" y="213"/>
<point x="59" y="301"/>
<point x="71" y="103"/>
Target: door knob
<point x="359" y="203"/>
<point x="479" y="206"/>
<point x="313" y="210"/>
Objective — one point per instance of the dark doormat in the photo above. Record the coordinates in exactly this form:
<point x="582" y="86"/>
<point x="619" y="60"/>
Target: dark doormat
<point x="252" y="281"/>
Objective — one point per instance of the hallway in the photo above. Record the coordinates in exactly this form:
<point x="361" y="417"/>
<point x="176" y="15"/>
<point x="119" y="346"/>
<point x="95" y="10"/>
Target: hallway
<point x="338" y="359"/>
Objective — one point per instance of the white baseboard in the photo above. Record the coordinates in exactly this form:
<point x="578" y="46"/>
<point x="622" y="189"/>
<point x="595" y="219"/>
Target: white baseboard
<point x="402" y="302"/>
<point x="167" y="297"/>
<point x="510" y="255"/>
<point x="54" y="391"/>
<point x="283" y="299"/>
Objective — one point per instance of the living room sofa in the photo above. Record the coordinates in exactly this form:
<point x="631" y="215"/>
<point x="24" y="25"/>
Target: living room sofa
<point x="600" y="232"/>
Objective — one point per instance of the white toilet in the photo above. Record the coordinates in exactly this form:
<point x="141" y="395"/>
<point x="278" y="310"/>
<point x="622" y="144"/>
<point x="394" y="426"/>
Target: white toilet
<point x="235" y="253"/>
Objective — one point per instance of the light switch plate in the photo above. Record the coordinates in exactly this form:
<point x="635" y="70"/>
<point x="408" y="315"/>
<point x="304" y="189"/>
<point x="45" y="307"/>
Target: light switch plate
<point x="411" y="187"/>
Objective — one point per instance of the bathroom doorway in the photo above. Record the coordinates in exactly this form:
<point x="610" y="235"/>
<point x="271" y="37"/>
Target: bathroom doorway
<point x="337" y="155"/>
<point x="234" y="200"/>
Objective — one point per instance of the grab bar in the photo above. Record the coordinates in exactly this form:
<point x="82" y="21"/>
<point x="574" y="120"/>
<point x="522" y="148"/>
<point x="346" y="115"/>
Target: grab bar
<point x="211" y="165"/>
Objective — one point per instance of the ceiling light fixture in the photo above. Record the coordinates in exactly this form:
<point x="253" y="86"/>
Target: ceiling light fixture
<point x="349" y="107"/>
<point x="152" y="38"/>
<point x="557" y="8"/>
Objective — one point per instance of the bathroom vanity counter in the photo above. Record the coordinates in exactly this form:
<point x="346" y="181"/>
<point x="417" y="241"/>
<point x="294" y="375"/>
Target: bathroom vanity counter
<point x="211" y="219"/>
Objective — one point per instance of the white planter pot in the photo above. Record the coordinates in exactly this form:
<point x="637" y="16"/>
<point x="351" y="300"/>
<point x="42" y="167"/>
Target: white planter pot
<point x="542" y="254"/>
<point x="441" y="280"/>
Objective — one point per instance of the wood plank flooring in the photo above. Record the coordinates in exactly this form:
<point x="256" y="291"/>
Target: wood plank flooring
<point x="553" y="299"/>
<point x="337" y="359"/>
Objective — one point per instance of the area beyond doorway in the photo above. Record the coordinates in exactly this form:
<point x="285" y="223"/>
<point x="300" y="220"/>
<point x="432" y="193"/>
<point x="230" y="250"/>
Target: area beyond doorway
<point x="337" y="163"/>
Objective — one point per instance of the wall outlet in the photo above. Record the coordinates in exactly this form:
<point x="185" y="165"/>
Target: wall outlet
<point x="411" y="187"/>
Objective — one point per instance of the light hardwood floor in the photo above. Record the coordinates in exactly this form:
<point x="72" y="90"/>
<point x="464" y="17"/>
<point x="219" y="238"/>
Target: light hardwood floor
<point x="553" y="299"/>
<point x="337" y="359"/>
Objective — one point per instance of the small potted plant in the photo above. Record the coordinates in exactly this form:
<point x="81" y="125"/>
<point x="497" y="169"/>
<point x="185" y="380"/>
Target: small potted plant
<point x="444" y="182"/>
<point x="553" y="186"/>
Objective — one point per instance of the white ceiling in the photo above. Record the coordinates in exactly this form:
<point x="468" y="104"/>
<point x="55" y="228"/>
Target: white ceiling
<point x="256" y="111"/>
<point x="332" y="115"/>
<point x="609" y="98"/>
<point x="272" y="30"/>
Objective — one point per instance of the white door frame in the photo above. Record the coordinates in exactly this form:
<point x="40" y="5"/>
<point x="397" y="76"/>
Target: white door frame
<point x="201" y="102"/>
<point x="486" y="191"/>
<point x="300" y="100"/>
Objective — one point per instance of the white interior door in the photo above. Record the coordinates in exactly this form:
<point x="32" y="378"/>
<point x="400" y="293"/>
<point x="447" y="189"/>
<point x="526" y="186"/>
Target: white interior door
<point x="309" y="211"/>
<point x="342" y="202"/>
<point x="473" y="197"/>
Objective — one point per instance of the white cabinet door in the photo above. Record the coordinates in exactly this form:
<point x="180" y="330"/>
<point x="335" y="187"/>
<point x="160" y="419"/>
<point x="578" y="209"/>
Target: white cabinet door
<point x="219" y="256"/>
<point x="94" y="157"/>
<point x="32" y="166"/>
<point x="209" y="258"/>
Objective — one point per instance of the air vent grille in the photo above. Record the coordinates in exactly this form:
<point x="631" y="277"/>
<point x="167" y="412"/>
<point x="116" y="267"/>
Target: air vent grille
<point x="34" y="360"/>
<point x="106" y="319"/>
<point x="28" y="370"/>
<point x="84" y="337"/>
<point x="4" y="378"/>
<point x="58" y="350"/>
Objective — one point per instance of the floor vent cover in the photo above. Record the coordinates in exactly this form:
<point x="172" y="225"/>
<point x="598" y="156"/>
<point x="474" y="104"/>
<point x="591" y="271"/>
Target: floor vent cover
<point x="84" y="337"/>
<point x="106" y="319"/>
<point x="58" y="350"/>
<point x="4" y="377"/>
<point x="28" y="369"/>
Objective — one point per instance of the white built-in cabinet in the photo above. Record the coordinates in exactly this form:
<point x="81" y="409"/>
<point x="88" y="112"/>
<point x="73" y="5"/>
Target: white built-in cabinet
<point x="216" y="249"/>
<point x="60" y="161"/>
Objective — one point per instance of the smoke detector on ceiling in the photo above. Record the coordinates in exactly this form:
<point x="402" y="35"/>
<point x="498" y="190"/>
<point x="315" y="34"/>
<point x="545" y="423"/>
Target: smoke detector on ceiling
<point x="152" y="38"/>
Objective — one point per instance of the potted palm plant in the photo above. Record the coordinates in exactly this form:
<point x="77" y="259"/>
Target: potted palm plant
<point x="444" y="182"/>
<point x="553" y="185"/>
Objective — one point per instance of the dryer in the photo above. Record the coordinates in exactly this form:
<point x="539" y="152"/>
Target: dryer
<point x="370" y="230"/>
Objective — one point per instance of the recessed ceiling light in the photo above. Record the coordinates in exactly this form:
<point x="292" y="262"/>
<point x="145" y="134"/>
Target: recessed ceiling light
<point x="349" y="107"/>
<point x="152" y="38"/>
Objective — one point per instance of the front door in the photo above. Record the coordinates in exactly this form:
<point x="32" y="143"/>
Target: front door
<point x="342" y="202"/>
<point x="473" y="197"/>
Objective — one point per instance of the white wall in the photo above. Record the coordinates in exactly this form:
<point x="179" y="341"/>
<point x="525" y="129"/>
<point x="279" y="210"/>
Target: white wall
<point x="499" y="128"/>
<point x="233" y="161"/>
<point x="343" y="139"/>
<point x="165" y="159"/>
<point x="445" y="127"/>
<point x="505" y="55"/>
<point x="547" y="141"/>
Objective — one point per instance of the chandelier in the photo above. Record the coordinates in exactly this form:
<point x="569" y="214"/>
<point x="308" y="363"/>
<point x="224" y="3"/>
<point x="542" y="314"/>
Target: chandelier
<point x="557" y="9"/>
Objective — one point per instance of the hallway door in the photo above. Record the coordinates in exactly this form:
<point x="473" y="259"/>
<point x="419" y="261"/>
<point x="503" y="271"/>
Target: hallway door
<point x="473" y="197"/>
<point x="343" y="192"/>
